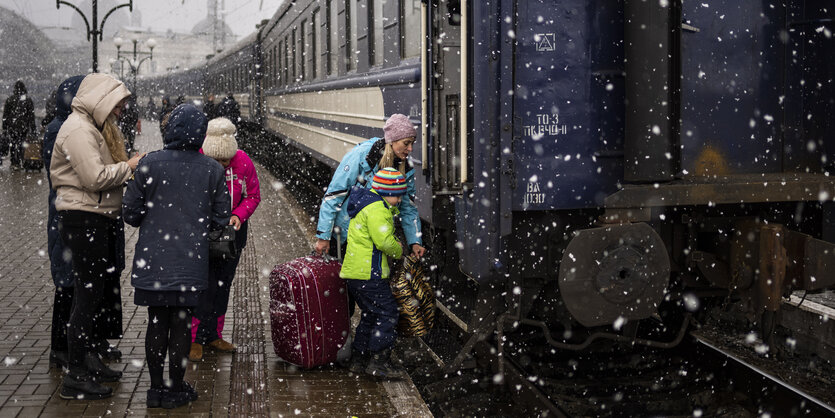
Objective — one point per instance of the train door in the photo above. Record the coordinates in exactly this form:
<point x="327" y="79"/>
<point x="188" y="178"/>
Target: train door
<point x="445" y="96"/>
<point x="731" y="102"/>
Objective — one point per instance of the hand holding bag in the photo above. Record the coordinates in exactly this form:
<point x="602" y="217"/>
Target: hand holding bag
<point x="415" y="299"/>
<point x="222" y="241"/>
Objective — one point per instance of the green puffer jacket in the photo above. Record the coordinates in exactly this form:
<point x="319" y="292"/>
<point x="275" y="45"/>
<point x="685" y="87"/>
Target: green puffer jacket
<point x="370" y="237"/>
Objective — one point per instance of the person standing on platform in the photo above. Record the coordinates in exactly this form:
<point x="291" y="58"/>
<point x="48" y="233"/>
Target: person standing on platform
<point x="151" y="110"/>
<point x="165" y="108"/>
<point x="18" y="122"/>
<point x="88" y="170"/>
<point x="177" y="196"/>
<point x="245" y="191"/>
<point x="210" y="108"/>
<point x="358" y="167"/>
<point x="371" y="242"/>
<point x="127" y="124"/>
<point x="229" y="109"/>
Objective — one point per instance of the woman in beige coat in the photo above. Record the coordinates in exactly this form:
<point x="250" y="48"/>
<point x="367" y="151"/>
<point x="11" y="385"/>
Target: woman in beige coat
<point x="89" y="170"/>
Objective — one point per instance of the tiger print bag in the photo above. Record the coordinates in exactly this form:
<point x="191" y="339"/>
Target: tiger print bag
<point x="415" y="299"/>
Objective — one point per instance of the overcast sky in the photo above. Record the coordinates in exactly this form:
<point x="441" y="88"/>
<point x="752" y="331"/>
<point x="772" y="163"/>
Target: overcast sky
<point x="159" y="15"/>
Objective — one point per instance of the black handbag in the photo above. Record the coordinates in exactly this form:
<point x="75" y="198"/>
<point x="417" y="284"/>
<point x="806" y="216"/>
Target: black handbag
<point x="222" y="243"/>
<point x="4" y="144"/>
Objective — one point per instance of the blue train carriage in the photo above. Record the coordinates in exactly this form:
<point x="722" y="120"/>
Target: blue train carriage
<point x="333" y="71"/>
<point x="606" y="166"/>
<point x="236" y="70"/>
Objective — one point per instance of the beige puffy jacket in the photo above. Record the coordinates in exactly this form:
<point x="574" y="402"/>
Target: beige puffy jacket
<point x="83" y="172"/>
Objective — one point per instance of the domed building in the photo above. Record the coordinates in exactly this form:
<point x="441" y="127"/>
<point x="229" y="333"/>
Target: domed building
<point x="213" y="29"/>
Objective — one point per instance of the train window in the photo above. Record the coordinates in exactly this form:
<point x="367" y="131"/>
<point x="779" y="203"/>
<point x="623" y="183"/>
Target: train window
<point x="409" y="36"/>
<point x="274" y="69"/>
<point x="286" y="61"/>
<point x="351" y="42"/>
<point x="294" y="57"/>
<point x="375" y="27"/>
<point x="303" y="48"/>
<point x="280" y="78"/>
<point x="314" y="44"/>
<point x="333" y="35"/>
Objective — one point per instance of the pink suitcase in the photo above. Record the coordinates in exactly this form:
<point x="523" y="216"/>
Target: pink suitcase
<point x="308" y="311"/>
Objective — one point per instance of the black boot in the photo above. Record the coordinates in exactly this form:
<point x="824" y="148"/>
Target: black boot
<point x="82" y="387"/>
<point x="107" y="351"/>
<point x="189" y="389"/>
<point x="379" y="365"/>
<point x="359" y="361"/>
<point x="154" y="399"/>
<point x="174" y="399"/>
<point x="58" y="359"/>
<point x="98" y="370"/>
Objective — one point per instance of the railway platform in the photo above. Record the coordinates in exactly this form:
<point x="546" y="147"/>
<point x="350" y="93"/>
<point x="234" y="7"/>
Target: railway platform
<point x="251" y="382"/>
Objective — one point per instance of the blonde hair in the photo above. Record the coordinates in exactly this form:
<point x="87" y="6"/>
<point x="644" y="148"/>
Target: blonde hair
<point x="387" y="160"/>
<point x="114" y="139"/>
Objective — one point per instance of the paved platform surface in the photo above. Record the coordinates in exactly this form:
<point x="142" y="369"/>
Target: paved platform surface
<point x="251" y="382"/>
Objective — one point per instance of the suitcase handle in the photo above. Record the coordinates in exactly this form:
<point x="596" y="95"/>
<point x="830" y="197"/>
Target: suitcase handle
<point x="324" y="256"/>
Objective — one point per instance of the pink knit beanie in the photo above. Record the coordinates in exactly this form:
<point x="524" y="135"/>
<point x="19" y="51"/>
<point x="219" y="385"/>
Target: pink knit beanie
<point x="398" y="127"/>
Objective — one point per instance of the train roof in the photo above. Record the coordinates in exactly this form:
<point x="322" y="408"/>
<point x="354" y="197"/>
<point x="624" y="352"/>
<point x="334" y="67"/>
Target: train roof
<point x="282" y="10"/>
<point x="234" y="49"/>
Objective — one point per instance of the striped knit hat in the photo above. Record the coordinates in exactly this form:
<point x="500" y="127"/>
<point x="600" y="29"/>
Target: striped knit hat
<point x="389" y="182"/>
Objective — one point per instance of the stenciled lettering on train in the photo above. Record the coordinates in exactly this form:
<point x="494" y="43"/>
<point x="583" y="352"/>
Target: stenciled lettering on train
<point x="533" y="194"/>
<point x="546" y="124"/>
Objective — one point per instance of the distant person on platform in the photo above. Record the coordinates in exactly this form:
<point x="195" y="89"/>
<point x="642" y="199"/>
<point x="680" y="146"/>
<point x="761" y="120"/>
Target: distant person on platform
<point x="151" y="110"/>
<point x="128" y="124"/>
<point x="49" y="108"/>
<point x="165" y="108"/>
<point x="229" y="109"/>
<point x="18" y="121"/>
<point x="210" y="107"/>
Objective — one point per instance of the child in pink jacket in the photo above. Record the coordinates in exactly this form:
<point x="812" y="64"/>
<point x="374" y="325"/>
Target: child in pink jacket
<point x="244" y="188"/>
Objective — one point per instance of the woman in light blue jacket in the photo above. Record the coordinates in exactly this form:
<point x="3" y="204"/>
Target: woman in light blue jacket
<point x="358" y="168"/>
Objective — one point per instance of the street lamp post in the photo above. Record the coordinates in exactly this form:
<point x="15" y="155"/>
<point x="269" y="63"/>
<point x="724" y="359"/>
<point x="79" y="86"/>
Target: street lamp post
<point x="132" y="62"/>
<point x="97" y="31"/>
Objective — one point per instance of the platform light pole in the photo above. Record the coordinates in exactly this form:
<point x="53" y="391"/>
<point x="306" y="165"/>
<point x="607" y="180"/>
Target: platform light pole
<point x="97" y="29"/>
<point x="132" y="62"/>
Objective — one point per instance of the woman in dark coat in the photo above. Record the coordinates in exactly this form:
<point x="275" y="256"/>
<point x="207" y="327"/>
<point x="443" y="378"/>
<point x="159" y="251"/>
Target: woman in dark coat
<point x="177" y="196"/>
<point x="18" y="121"/>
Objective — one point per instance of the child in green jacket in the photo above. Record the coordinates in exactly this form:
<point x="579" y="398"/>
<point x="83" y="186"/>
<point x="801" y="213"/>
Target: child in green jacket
<point x="370" y="242"/>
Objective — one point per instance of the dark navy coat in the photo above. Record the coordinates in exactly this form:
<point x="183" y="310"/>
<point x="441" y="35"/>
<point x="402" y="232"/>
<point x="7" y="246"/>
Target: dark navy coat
<point x="60" y="264"/>
<point x="176" y="197"/>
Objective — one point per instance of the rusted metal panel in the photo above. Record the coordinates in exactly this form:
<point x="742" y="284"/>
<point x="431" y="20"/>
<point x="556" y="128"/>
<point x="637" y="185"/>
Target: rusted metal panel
<point x="772" y="267"/>
<point x="811" y="262"/>
<point x="706" y="191"/>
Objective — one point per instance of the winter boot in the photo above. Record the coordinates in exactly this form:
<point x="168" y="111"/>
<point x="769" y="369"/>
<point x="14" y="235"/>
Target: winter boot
<point x="223" y="346"/>
<point x="83" y="387"/>
<point x="379" y="366"/>
<point x="58" y="359"/>
<point x="107" y="351"/>
<point x="359" y="361"/>
<point x="196" y="352"/>
<point x="154" y="399"/>
<point x="188" y="388"/>
<point x="174" y="399"/>
<point x="98" y="370"/>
